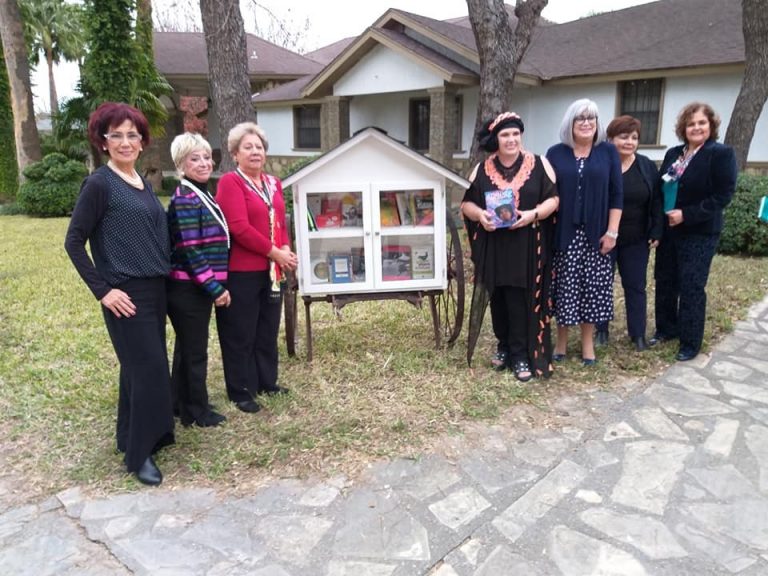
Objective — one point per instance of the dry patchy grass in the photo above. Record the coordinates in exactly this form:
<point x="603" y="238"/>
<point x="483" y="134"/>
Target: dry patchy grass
<point x="376" y="388"/>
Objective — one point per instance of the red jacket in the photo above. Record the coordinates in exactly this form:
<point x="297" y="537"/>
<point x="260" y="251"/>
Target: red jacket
<point x="247" y="217"/>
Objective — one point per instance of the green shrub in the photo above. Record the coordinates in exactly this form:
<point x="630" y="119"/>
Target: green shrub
<point x="51" y="186"/>
<point x="11" y="209"/>
<point x="743" y="233"/>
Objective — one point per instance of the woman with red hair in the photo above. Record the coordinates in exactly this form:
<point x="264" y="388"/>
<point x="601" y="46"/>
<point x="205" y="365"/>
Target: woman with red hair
<point x="118" y="214"/>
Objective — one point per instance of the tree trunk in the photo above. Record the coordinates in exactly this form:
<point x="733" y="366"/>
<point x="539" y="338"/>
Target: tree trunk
<point x="754" y="87"/>
<point x="227" y="68"/>
<point x="500" y="50"/>
<point x="17" y="63"/>
<point x="52" y="85"/>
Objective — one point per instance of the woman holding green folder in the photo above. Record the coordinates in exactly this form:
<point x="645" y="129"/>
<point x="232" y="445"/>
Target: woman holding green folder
<point x="698" y="179"/>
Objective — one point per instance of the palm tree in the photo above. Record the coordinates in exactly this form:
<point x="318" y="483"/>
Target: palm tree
<point x="54" y="28"/>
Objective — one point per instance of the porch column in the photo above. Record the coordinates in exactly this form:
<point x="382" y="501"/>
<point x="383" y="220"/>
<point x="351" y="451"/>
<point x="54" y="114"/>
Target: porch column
<point x="442" y="128"/>
<point x="334" y="121"/>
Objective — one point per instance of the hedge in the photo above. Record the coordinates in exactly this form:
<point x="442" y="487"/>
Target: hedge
<point x="52" y="186"/>
<point x="743" y="233"/>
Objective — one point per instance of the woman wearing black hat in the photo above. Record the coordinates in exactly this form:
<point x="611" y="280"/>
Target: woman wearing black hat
<point x="513" y="263"/>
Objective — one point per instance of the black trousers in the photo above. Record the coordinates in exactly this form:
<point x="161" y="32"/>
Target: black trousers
<point x="189" y="308"/>
<point x="144" y="413"/>
<point x="509" y="318"/>
<point x="632" y="260"/>
<point x="248" y="335"/>
<point x="681" y="271"/>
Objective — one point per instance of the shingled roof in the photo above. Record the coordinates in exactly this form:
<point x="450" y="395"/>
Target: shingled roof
<point x="184" y="54"/>
<point x="662" y="35"/>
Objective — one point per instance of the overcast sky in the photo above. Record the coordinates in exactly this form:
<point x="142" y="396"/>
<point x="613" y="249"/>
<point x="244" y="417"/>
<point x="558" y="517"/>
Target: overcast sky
<point x="331" y="20"/>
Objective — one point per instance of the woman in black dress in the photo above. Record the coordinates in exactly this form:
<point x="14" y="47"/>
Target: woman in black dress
<point x="512" y="262"/>
<point x="118" y="214"/>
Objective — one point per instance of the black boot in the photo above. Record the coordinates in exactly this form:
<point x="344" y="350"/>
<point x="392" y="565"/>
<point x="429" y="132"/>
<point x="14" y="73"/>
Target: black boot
<point x="640" y="344"/>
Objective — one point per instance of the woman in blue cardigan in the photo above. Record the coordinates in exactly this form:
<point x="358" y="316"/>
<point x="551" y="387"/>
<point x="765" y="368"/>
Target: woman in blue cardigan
<point x="589" y="183"/>
<point x="698" y="179"/>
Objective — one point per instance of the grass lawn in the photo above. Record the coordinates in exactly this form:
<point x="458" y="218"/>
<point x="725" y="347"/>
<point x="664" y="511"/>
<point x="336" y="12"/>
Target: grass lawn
<point x="376" y="387"/>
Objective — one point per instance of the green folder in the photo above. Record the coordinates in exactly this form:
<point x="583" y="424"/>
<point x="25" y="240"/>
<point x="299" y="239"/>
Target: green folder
<point x="762" y="213"/>
<point x="669" y="189"/>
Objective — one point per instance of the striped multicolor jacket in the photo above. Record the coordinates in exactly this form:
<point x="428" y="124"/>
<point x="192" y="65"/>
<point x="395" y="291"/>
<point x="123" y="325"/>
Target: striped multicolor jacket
<point x="198" y="243"/>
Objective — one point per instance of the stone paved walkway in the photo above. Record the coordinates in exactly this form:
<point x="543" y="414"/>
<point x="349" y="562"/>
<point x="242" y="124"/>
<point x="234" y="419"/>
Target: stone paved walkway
<point x="670" y="481"/>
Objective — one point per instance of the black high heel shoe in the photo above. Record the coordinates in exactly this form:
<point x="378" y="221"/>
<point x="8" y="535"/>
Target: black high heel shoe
<point x="149" y="473"/>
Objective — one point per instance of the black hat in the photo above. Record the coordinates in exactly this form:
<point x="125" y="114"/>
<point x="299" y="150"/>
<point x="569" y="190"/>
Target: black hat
<point x="488" y="135"/>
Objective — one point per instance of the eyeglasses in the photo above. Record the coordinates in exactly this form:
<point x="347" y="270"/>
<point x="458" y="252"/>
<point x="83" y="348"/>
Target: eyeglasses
<point x="117" y="137"/>
<point x="584" y="119"/>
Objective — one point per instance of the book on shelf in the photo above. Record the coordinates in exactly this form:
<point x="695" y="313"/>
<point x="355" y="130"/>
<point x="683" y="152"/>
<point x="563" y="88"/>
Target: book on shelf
<point x="358" y="263"/>
<point x="351" y="210"/>
<point x="328" y="220"/>
<point x="500" y="205"/>
<point x="340" y="265"/>
<point x="396" y="262"/>
<point x="320" y="270"/>
<point x="422" y="261"/>
<point x="388" y="213"/>
<point x="423" y="207"/>
<point x="404" y="208"/>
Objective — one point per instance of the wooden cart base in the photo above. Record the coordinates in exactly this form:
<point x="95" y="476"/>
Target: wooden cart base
<point x="338" y="301"/>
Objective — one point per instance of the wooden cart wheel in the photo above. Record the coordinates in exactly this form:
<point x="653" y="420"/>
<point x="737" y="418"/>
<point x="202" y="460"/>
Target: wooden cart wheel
<point x="450" y="304"/>
<point x="290" y="310"/>
<point x="289" y="301"/>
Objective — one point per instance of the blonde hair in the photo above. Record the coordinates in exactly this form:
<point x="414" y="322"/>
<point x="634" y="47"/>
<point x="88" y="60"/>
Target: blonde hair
<point x="240" y="131"/>
<point x="183" y="145"/>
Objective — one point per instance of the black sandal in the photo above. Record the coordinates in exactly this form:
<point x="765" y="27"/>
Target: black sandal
<point x="499" y="360"/>
<point x="521" y="367"/>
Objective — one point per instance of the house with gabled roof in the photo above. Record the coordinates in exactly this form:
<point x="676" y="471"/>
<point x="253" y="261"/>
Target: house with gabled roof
<point x="418" y="78"/>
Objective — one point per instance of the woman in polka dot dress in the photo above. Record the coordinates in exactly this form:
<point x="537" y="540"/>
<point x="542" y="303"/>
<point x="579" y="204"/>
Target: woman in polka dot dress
<point x="589" y="183"/>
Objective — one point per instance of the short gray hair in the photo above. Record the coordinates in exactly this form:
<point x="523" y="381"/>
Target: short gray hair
<point x="584" y="105"/>
<point x="240" y="131"/>
<point x="183" y="145"/>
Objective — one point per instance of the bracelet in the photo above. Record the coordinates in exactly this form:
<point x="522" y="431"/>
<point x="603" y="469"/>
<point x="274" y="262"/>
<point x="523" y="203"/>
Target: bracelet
<point x="611" y="234"/>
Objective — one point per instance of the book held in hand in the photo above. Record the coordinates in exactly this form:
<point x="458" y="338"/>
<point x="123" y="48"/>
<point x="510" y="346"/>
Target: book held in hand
<point x="762" y="213"/>
<point x="500" y="205"/>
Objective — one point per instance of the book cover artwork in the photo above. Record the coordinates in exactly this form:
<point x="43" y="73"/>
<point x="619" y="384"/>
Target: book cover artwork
<point x="500" y="205"/>
<point x="396" y="263"/>
<point x="423" y="264"/>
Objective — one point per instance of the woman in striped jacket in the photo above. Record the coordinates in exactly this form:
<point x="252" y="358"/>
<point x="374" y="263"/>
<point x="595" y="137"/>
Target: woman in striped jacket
<point x="199" y="259"/>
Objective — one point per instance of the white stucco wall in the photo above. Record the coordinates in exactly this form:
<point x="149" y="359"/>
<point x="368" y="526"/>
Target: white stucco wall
<point x="541" y="108"/>
<point x="383" y="70"/>
<point x="278" y="124"/>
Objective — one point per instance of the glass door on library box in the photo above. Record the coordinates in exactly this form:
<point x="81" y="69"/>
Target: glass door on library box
<point x="409" y="235"/>
<point x="361" y="237"/>
<point x="333" y="237"/>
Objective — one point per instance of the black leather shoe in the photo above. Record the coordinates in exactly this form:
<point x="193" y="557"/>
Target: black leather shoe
<point x="248" y="406"/>
<point x="208" y="420"/>
<point x="149" y="473"/>
<point x="686" y="354"/>
<point x="658" y="338"/>
<point x="274" y="391"/>
<point x="601" y="337"/>
<point x="640" y="344"/>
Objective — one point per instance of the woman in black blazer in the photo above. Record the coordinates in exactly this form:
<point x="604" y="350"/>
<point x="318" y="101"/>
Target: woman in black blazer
<point x="698" y="179"/>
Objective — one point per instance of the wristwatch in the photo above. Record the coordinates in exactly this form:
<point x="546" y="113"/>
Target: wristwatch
<point x="611" y="234"/>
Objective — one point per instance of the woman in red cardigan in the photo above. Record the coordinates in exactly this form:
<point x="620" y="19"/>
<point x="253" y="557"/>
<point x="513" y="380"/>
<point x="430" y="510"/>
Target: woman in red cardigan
<point x="253" y="205"/>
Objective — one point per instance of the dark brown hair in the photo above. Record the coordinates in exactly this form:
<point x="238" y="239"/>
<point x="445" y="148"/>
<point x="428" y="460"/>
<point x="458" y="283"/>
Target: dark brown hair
<point x="623" y="125"/>
<point x="111" y="115"/>
<point x="685" y="116"/>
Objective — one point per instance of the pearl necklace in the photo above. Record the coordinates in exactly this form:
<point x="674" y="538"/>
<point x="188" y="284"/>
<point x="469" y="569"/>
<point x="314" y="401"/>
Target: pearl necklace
<point x="132" y="179"/>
